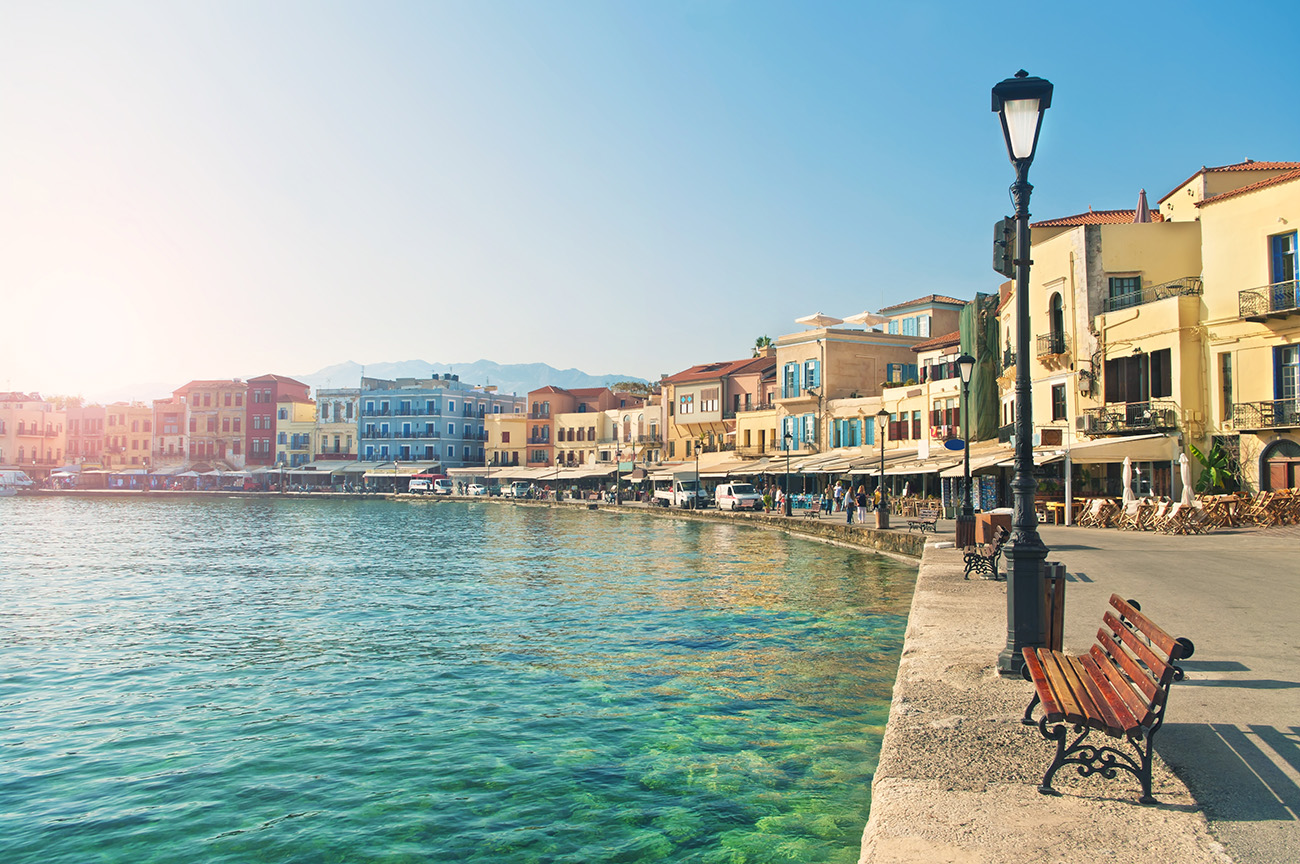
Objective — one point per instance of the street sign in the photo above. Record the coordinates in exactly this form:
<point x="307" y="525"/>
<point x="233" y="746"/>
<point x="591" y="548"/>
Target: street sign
<point x="954" y="444"/>
<point x="1004" y="247"/>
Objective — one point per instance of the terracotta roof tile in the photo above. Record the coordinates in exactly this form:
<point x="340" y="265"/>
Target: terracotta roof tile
<point x="1094" y="217"/>
<point x="944" y="341"/>
<point x="1271" y="181"/>
<point x="1247" y="165"/>
<point x="711" y="371"/>
<point x="929" y="298"/>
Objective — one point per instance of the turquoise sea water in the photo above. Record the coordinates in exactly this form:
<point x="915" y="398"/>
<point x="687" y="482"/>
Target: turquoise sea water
<point x="306" y="681"/>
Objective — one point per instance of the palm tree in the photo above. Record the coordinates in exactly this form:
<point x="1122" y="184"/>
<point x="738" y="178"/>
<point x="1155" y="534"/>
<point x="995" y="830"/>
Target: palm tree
<point x="761" y="344"/>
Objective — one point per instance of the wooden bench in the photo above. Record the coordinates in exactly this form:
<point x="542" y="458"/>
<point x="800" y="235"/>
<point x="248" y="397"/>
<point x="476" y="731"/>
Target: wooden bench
<point x="1120" y="687"/>
<point x="983" y="560"/>
<point x="924" y="519"/>
<point x="814" y="508"/>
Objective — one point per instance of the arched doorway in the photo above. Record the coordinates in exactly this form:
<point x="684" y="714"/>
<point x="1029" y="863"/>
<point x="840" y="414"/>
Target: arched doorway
<point x="1279" y="466"/>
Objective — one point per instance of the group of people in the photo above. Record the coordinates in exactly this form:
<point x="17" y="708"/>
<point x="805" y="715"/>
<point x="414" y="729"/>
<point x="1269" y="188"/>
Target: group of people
<point x="853" y="503"/>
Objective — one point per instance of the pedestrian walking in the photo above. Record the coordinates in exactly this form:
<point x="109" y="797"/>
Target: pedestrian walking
<point x="850" y="506"/>
<point x="861" y="501"/>
<point x="839" y="496"/>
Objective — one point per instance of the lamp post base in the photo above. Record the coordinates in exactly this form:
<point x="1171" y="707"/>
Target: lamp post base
<point x="882" y="518"/>
<point x="1026" y="621"/>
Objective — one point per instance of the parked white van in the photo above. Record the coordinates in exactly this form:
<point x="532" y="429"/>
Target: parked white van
<point x="420" y="485"/>
<point x="737" y="496"/>
<point x="443" y="486"/>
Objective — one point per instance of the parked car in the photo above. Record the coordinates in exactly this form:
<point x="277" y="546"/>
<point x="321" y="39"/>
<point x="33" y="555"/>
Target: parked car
<point x="737" y="496"/>
<point x="477" y="489"/>
<point x="517" y="489"/>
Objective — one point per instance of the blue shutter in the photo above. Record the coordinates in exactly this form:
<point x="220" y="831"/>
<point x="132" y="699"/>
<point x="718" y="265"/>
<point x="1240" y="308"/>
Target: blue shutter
<point x="910" y="372"/>
<point x="817" y="373"/>
<point x="868" y="432"/>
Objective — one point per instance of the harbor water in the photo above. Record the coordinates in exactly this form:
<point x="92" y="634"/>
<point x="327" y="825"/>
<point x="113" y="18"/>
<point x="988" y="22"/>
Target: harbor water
<point x="261" y="680"/>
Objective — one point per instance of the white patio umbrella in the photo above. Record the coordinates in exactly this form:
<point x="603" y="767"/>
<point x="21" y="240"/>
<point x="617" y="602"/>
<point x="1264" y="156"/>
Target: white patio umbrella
<point x="1128" y="480"/>
<point x="819" y="319"/>
<point x="1185" y="469"/>
<point x="867" y="319"/>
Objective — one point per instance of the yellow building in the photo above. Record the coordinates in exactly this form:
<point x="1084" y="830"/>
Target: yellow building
<point x="335" y="435"/>
<point x="505" y="438"/>
<point x="578" y="434"/>
<point x="704" y="402"/>
<point x="295" y="425"/>
<point x="33" y="433"/>
<point x="128" y="435"/>
<point x="1250" y="367"/>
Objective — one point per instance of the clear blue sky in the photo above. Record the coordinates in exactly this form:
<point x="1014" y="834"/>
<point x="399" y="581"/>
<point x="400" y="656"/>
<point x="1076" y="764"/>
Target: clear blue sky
<point x="227" y="189"/>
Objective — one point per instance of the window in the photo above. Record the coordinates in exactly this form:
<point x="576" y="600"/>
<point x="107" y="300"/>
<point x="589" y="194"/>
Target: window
<point x="1225" y="382"/>
<point x="923" y="325"/>
<point x="709" y="400"/>
<point x="237" y="424"/>
<point x="1283" y="265"/>
<point x="790" y="381"/>
<point x="686" y="404"/>
<point x="282" y="438"/>
<point x="505" y="437"/>
<point x="207" y="400"/>
<point x="810" y="428"/>
<point x="283" y="414"/>
<point x="909" y="327"/>
<point x="916" y="425"/>
<point x="893" y="326"/>
<point x="1125" y="291"/>
<point x="225" y="424"/>
<point x="1139" y="378"/>
<point x="1286" y="372"/>
<point x="229" y="398"/>
<point x="451" y="406"/>
<point x="135" y="425"/>
<point x="239" y="400"/>
<point x="1058" y="402"/>
<point x="451" y="428"/>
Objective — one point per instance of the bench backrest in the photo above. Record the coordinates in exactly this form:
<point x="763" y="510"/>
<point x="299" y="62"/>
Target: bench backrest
<point x="1138" y="659"/>
<point x="929" y="513"/>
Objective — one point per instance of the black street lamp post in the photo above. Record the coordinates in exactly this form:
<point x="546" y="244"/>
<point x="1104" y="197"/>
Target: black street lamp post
<point x="882" y="510"/>
<point x="966" y="518"/>
<point x="1020" y="103"/>
<point x="785" y="497"/>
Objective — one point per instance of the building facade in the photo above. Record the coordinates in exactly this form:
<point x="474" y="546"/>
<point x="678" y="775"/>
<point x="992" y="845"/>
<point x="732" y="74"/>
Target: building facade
<point x="337" y="411"/>
<point x="128" y="435"/>
<point x="429" y="420"/>
<point x="265" y="393"/>
<point x="216" y="415"/>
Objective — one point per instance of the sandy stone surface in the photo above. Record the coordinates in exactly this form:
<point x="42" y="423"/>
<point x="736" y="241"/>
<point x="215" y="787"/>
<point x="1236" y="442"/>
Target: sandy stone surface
<point x="958" y="771"/>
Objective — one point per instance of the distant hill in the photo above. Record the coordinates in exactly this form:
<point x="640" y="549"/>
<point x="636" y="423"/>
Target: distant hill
<point x="518" y="378"/>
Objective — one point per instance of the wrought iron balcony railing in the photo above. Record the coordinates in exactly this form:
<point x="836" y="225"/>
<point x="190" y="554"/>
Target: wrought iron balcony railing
<point x="1051" y="344"/>
<point x="1157" y="415"/>
<point x="1188" y="285"/>
<point x="1269" y="414"/>
<point x="1277" y="300"/>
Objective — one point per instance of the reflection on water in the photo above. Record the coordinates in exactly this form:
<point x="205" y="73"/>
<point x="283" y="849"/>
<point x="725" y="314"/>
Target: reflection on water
<point x="262" y="680"/>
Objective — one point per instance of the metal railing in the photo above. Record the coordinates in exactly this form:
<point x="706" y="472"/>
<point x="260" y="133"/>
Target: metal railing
<point x="1269" y="414"/>
<point x="761" y="406"/>
<point x="1008" y="359"/>
<point x="1153" y="416"/>
<point x="1188" y="285"/>
<point x="1005" y="433"/>
<point x="1050" y="344"/>
<point x="1278" y="299"/>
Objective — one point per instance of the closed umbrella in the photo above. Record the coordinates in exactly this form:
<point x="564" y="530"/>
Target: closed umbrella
<point x="1185" y="469"/>
<point x="1128" y="480"/>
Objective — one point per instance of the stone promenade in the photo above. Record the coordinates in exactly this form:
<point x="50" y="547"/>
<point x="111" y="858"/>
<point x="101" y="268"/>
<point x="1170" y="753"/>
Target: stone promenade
<point x="957" y="774"/>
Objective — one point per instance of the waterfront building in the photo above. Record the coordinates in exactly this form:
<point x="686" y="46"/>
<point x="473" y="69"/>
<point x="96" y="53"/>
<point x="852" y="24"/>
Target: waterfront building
<point x="576" y="435"/>
<point x="821" y="364"/>
<point x="633" y="434"/>
<point x="1249" y="214"/>
<point x="32" y="433"/>
<point x="335" y="435"/>
<point x="439" y="419"/>
<point x="704" y="401"/>
<point x="128" y="435"/>
<point x="505" y="438"/>
<point x="170" y="426"/>
<point x="295" y="424"/>
<point x="265" y="395"/>
<point x="216" y="415"/>
<point x="546" y="404"/>
<point x="85" y="433"/>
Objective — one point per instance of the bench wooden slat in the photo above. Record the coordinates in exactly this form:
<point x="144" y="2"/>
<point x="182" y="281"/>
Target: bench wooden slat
<point x="1158" y="637"/>
<point x="1121" y="720"/>
<point x="1060" y="684"/>
<point x="1093" y="715"/>
<point x="1156" y="669"/>
<point x="1136" y="705"/>
<point x="1051" y="708"/>
<point x="1106" y="719"/>
<point x="1139" y="676"/>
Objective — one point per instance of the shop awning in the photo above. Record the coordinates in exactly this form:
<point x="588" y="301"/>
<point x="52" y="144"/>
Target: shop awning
<point x="1139" y="448"/>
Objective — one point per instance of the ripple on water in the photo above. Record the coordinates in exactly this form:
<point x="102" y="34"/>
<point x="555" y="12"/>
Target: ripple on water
<point x="249" y="681"/>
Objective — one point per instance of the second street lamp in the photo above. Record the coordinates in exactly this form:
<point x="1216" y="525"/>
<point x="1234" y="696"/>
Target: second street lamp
<point x="785" y="496"/>
<point x="966" y="518"/>
<point x="882" y="509"/>
<point x="1020" y="103"/>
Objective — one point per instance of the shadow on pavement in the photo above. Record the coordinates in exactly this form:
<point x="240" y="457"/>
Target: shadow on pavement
<point x="1233" y="771"/>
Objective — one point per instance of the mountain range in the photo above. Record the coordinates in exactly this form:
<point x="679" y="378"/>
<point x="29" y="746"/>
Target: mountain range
<point x="518" y="378"/>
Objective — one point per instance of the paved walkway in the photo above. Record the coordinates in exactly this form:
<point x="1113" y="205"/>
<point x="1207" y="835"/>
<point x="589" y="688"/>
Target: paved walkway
<point x="957" y="771"/>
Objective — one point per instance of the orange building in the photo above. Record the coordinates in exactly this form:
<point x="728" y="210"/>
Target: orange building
<point x="217" y="420"/>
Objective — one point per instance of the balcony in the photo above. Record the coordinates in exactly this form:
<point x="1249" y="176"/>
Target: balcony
<point x="1186" y="286"/>
<point x="546" y="442"/>
<point x="1051" y="345"/>
<point x="1157" y="415"/>
<point x="1006" y="433"/>
<point x="375" y="412"/>
<point x="1269" y="414"/>
<point x="1008" y="359"/>
<point x="1278" y="300"/>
